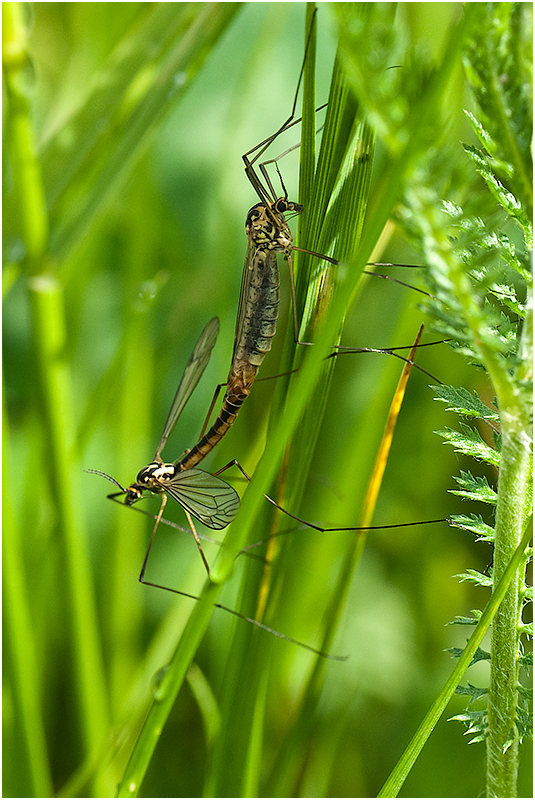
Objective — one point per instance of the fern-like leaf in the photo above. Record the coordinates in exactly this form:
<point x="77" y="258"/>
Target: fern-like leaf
<point x="473" y="692"/>
<point x="504" y="197"/>
<point x="475" y="524"/>
<point x="469" y="442"/>
<point x="479" y="655"/>
<point x="475" y="488"/>
<point x="477" y="723"/>
<point x="464" y="403"/>
<point x="473" y="576"/>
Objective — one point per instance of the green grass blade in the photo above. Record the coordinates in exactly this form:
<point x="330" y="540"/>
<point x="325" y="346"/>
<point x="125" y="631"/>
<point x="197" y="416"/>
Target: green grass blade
<point x="48" y="315"/>
<point x="35" y="778"/>
<point x="145" y="76"/>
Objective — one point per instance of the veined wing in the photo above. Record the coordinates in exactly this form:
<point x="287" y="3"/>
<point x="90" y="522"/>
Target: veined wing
<point x="191" y="377"/>
<point x="206" y="497"/>
<point x="245" y="294"/>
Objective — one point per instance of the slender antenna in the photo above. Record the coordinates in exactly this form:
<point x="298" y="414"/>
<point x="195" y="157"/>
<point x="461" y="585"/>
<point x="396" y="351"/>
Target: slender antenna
<point x="105" y="475"/>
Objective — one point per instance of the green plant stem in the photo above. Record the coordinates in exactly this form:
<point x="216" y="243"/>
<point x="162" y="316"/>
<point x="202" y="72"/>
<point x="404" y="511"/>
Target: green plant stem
<point x="513" y="504"/>
<point x="20" y="134"/>
<point x="165" y="693"/>
<point x="20" y="642"/>
<point x="49" y="342"/>
<point x="34" y="224"/>
<point x="513" y="493"/>
<point x="136" y="369"/>
<point x="407" y="760"/>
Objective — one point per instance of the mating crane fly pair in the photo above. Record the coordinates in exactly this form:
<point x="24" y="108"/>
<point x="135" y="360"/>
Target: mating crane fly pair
<point x="204" y="496"/>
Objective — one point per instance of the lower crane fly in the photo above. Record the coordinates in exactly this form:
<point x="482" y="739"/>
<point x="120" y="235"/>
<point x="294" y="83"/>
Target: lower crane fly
<point x="202" y="495"/>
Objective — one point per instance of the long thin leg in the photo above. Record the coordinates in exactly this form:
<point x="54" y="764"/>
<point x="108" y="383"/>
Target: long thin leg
<point x="314" y="527"/>
<point x="158" y="518"/>
<point x="212" y="406"/>
<point x="192" y="526"/>
<point x="253" y="622"/>
<point x="384" y="351"/>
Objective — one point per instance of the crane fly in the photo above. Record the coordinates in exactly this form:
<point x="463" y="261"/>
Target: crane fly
<point x="268" y="233"/>
<point x="267" y="223"/>
<point x="202" y="495"/>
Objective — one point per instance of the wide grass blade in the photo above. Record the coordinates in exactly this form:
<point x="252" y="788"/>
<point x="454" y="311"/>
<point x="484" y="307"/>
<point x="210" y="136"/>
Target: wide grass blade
<point x="144" y="77"/>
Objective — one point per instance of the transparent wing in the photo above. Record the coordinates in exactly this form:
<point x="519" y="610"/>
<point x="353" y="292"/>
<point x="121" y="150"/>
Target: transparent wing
<point x="245" y="291"/>
<point x="191" y="377"/>
<point x="206" y="497"/>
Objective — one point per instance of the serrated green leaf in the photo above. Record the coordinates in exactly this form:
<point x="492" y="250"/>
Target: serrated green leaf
<point x="475" y="488"/>
<point x="473" y="576"/>
<point x="463" y="621"/>
<point x="472" y="482"/>
<point x="490" y="146"/>
<point x="479" y="655"/>
<point x="477" y="723"/>
<point x="504" y="196"/>
<point x="469" y="441"/>
<point x="485" y="164"/>
<point x="463" y="402"/>
<point x="474" y="692"/>
<point x="473" y="496"/>
<point x="475" y="524"/>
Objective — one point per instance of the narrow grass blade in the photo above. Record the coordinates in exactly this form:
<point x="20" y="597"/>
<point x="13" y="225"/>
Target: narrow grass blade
<point x="23" y="677"/>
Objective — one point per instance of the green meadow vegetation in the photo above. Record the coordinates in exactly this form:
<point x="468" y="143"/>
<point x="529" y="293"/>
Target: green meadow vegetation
<point x="124" y="208"/>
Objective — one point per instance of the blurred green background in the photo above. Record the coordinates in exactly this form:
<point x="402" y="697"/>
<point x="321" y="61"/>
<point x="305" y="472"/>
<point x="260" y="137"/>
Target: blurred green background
<point x="140" y="273"/>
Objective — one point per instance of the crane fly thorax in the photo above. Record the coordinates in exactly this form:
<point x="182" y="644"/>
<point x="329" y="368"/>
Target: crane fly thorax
<point x="154" y="475"/>
<point x="266" y="225"/>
